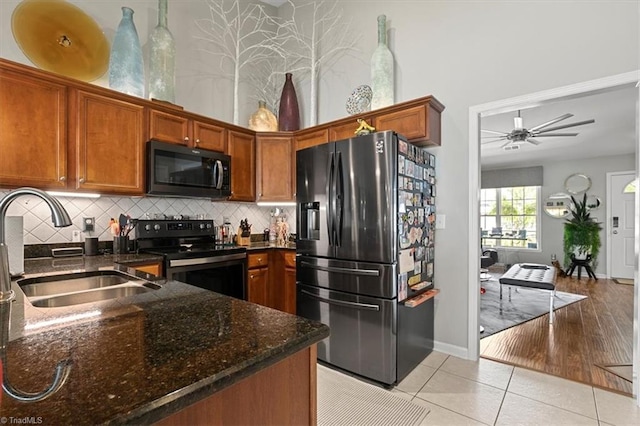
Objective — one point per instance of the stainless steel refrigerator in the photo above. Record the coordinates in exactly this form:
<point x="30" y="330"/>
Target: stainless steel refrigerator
<point x="365" y="222"/>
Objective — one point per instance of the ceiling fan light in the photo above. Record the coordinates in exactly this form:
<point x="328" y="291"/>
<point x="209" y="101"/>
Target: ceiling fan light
<point x="517" y="123"/>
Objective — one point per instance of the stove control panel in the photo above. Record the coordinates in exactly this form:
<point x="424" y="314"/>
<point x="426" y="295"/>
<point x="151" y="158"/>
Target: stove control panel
<point x="173" y="228"/>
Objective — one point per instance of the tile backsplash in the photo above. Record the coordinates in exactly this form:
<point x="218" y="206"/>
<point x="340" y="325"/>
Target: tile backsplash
<point x="38" y="228"/>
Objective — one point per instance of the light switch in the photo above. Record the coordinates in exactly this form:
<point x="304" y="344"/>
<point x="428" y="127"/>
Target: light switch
<point x="440" y="218"/>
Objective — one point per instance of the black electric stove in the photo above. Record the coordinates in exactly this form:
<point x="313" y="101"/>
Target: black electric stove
<point x="192" y="256"/>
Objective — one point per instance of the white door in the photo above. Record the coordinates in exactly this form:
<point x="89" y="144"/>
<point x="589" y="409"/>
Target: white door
<point x="620" y="226"/>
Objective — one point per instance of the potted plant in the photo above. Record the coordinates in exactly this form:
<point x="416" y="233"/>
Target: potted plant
<point x="581" y="233"/>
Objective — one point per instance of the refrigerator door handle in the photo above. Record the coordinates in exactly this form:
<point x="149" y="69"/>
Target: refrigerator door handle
<point x="330" y="198"/>
<point x="339" y="201"/>
<point x="356" y="305"/>
<point x="352" y="271"/>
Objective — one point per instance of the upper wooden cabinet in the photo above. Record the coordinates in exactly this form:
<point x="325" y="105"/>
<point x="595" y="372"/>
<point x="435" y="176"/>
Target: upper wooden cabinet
<point x="311" y="137"/>
<point x="275" y="167"/>
<point x="418" y="120"/>
<point x="181" y="129"/>
<point x="33" y="131"/>
<point x="107" y="153"/>
<point x="241" y="148"/>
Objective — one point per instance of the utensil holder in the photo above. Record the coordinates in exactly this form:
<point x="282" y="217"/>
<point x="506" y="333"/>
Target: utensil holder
<point x="91" y="246"/>
<point x="120" y="245"/>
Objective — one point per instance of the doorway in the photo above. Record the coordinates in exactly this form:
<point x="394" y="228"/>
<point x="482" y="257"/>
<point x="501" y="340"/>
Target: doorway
<point x="528" y="101"/>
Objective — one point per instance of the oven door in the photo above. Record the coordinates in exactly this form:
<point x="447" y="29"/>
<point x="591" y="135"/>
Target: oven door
<point x="223" y="273"/>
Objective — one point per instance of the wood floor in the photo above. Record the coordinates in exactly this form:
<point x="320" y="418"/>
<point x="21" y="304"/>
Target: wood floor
<point x="595" y="331"/>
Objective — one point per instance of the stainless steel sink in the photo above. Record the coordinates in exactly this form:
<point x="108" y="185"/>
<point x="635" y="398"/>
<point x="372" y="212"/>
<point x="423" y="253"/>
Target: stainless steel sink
<point x="83" y="287"/>
<point x="89" y="296"/>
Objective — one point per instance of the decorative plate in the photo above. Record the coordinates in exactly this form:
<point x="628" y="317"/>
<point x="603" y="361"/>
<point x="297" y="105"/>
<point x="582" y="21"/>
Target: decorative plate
<point x="360" y="100"/>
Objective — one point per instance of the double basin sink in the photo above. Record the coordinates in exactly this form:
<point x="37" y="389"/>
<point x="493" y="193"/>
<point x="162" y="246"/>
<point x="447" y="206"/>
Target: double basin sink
<point x="83" y="287"/>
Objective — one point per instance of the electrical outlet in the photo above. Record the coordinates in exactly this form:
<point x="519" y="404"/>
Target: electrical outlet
<point x="75" y="236"/>
<point x="88" y="224"/>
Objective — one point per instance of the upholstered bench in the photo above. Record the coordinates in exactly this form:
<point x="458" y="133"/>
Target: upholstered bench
<point x="531" y="275"/>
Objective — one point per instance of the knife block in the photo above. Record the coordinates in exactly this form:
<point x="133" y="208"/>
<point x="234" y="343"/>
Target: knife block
<point x="243" y="241"/>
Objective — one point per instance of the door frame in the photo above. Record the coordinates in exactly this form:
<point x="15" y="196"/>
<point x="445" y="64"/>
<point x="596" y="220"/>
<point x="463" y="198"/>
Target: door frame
<point x="608" y="216"/>
<point x="572" y="91"/>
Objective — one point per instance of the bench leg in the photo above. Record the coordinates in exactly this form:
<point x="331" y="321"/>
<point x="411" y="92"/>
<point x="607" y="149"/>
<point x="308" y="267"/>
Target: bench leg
<point x="500" y="291"/>
<point x="551" y="300"/>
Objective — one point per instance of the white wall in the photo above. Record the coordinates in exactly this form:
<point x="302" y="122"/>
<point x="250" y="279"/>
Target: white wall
<point x="464" y="53"/>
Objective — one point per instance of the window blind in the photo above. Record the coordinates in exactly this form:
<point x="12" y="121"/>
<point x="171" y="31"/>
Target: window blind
<point x="503" y="178"/>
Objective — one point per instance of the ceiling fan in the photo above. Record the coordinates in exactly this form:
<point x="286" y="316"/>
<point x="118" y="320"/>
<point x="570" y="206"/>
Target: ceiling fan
<point x="519" y="134"/>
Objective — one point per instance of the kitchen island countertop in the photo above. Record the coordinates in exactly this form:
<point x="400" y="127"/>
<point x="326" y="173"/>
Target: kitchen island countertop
<point x="141" y="358"/>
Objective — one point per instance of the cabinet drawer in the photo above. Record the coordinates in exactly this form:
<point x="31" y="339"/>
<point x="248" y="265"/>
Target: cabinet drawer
<point x="257" y="260"/>
<point x="290" y="259"/>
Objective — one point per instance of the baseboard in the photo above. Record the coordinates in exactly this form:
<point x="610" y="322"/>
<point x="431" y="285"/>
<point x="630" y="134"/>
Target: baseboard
<point x="449" y="349"/>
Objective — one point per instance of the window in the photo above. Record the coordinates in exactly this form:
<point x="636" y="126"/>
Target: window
<point x="510" y="217"/>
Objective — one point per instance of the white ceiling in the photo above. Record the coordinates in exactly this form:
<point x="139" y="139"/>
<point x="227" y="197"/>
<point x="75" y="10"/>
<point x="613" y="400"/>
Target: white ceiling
<point x="613" y="132"/>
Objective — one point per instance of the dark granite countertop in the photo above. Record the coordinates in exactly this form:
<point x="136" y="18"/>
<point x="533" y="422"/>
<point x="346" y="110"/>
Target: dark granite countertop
<point x="140" y="358"/>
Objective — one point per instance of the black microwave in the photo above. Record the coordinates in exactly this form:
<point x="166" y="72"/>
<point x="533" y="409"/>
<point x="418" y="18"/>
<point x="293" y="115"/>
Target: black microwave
<point x="179" y="171"/>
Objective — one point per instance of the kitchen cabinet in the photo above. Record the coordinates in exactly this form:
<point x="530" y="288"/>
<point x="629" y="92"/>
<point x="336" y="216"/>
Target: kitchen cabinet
<point x="106" y="148"/>
<point x="241" y="148"/>
<point x="311" y="137"/>
<point x="258" y="277"/>
<point x="275" y="167"/>
<point x="33" y="131"/>
<point x="184" y="130"/>
<point x="283" y="281"/>
<point x="154" y="268"/>
<point x="418" y="120"/>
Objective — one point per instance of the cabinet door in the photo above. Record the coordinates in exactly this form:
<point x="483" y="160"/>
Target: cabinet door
<point x="241" y="148"/>
<point x="257" y="285"/>
<point x="345" y="130"/>
<point x="289" y="293"/>
<point x="275" y="161"/>
<point x="170" y="128"/>
<point x="209" y="136"/>
<point x="33" y="132"/>
<point x="108" y="148"/>
<point x="306" y="139"/>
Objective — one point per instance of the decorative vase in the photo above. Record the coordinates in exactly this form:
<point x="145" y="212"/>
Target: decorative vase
<point x="162" y="58"/>
<point x="126" y="70"/>
<point x="288" y="114"/>
<point x="382" y="69"/>
<point x="263" y="120"/>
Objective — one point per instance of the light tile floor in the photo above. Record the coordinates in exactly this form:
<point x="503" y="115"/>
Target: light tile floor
<point x="462" y="392"/>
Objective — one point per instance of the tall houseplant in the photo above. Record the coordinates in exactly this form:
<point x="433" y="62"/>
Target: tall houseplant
<point x="581" y="233"/>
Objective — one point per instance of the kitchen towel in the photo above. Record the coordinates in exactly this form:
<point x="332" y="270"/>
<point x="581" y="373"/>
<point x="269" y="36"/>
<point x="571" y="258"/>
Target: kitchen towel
<point x="14" y="235"/>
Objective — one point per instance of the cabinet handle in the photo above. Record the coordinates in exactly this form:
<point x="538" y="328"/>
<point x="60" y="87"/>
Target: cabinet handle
<point x="251" y="276"/>
<point x="81" y="180"/>
<point x="197" y="142"/>
<point x="62" y="178"/>
<point x="259" y="260"/>
<point x="186" y="138"/>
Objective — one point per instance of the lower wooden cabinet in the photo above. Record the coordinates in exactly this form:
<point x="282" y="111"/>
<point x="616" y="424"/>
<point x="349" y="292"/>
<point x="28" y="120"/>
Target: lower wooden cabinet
<point x="271" y="278"/>
<point x="150" y="268"/>
<point x="258" y="277"/>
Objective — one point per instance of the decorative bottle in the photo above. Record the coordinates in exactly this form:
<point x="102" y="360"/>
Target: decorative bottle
<point x="126" y="69"/>
<point x="162" y="58"/>
<point x="382" y="69"/>
<point x="263" y="120"/>
<point x="288" y="114"/>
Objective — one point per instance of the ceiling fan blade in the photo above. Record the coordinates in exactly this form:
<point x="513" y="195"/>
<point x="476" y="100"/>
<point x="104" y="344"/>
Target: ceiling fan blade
<point x="549" y="123"/>
<point x="538" y="135"/>
<point x="533" y="141"/>
<point x="495" y="140"/>
<point x="564" y="126"/>
<point x="494" y="132"/>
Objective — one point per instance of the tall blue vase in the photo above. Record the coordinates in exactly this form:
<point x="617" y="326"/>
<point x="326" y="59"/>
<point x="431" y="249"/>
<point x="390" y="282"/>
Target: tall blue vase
<point x="126" y="69"/>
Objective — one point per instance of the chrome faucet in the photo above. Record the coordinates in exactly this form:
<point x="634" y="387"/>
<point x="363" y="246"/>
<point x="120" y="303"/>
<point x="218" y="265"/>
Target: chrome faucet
<point x="60" y="219"/>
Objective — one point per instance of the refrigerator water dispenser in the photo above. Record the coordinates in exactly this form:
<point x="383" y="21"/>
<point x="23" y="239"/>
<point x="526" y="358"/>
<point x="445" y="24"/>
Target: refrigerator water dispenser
<point x="310" y="221"/>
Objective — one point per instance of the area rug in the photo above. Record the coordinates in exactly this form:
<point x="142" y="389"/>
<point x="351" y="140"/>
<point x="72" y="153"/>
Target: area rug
<point x="526" y="304"/>
<point x="344" y="400"/>
<point x="626" y="281"/>
<point x="624" y="371"/>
